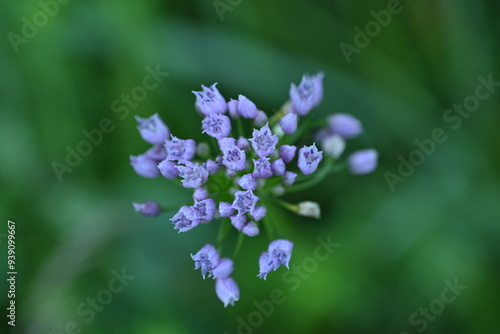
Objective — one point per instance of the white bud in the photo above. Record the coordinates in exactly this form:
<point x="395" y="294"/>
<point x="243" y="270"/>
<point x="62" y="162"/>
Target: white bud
<point x="333" y="145"/>
<point x="309" y="209"/>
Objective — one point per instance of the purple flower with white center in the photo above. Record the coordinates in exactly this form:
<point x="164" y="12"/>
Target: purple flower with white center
<point x="227" y="290"/>
<point x="363" y="161"/>
<point x="179" y="149"/>
<point x="308" y="94"/>
<point x="245" y="201"/>
<point x="309" y="159"/>
<point x="210" y="101"/>
<point x="289" y="123"/>
<point x="147" y="208"/>
<point x="262" y="168"/>
<point x="207" y="259"/>
<point x="157" y="153"/>
<point x="238" y="221"/>
<point x="289" y="178"/>
<point x="152" y="129"/>
<point x="183" y="220"/>
<point x="265" y="266"/>
<point x="251" y="229"/>
<point x="217" y="126"/>
<point x="234" y="158"/>
<point x="193" y="175"/>
<point x="247" y="182"/>
<point x="225" y="209"/>
<point x="204" y="210"/>
<point x="246" y="108"/>
<point x="259" y="212"/>
<point x="261" y="119"/>
<point x="263" y="141"/>
<point x="144" y="166"/>
<point x="168" y="169"/>
<point x="345" y="125"/>
<point x="287" y="152"/>
<point x="278" y="167"/>
<point x="223" y="269"/>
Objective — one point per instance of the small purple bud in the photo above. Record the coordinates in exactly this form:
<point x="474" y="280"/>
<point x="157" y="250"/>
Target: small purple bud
<point x="245" y="201"/>
<point x="289" y="178"/>
<point x="193" y="175"/>
<point x="210" y="101"/>
<point x="265" y="266"/>
<point x="262" y="168"/>
<point x="263" y="141"/>
<point x="243" y="144"/>
<point x="280" y="252"/>
<point x="239" y="221"/>
<point x="309" y="159"/>
<point x="261" y="119"/>
<point x="212" y="166"/>
<point x="246" y="108"/>
<point x="204" y="210"/>
<point x="217" y="126"/>
<point x="200" y="194"/>
<point x="234" y="157"/>
<point x="180" y="150"/>
<point x="168" y="169"/>
<point x="227" y="290"/>
<point x="233" y="108"/>
<point x="259" y="213"/>
<point x="157" y="153"/>
<point x="183" y="220"/>
<point x="207" y="259"/>
<point x="278" y="167"/>
<point x="247" y="182"/>
<point x="251" y="229"/>
<point x="308" y="94"/>
<point x="225" y="209"/>
<point x="147" y="208"/>
<point x="289" y="123"/>
<point x="345" y="125"/>
<point x="152" y="129"/>
<point x="287" y="153"/>
<point x="224" y="268"/>
<point x="363" y="161"/>
<point x="144" y="166"/>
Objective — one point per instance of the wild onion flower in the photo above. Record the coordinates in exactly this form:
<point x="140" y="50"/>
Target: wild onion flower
<point x="246" y="160"/>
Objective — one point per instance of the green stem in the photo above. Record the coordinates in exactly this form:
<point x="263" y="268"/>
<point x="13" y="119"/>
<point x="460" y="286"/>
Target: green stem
<point x="224" y="229"/>
<point x="319" y="177"/>
<point x="239" y="243"/>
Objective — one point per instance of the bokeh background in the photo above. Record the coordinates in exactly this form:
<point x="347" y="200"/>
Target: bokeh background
<point x="397" y="247"/>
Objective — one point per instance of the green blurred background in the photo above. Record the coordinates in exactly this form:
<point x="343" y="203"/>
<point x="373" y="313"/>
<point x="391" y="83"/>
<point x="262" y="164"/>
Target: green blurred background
<point x="397" y="247"/>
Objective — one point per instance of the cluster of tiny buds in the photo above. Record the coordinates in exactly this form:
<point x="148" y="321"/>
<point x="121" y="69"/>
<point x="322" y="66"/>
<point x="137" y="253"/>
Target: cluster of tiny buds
<point x="252" y="166"/>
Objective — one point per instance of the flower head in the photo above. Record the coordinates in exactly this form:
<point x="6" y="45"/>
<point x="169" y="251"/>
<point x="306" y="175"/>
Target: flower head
<point x="210" y="101"/>
<point x="179" y="149"/>
<point x="262" y="168"/>
<point x="217" y="126"/>
<point x="309" y="159"/>
<point x="193" y="175"/>
<point x="204" y="210"/>
<point x="363" y="161"/>
<point x="308" y="94"/>
<point x="234" y="157"/>
<point x="207" y="259"/>
<point x="245" y="201"/>
<point x="263" y="141"/>
<point x="152" y="129"/>
<point x="184" y="219"/>
<point x="227" y="290"/>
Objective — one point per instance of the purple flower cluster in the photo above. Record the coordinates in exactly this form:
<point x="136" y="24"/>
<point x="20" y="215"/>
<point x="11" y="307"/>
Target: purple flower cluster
<point x="232" y="183"/>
